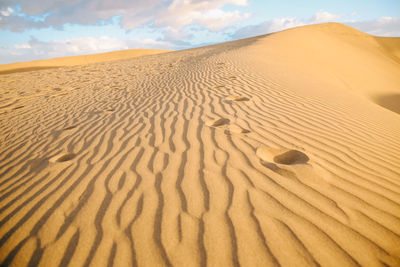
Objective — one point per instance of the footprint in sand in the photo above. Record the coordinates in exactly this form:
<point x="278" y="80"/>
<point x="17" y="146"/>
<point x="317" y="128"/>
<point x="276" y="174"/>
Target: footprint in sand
<point x="236" y="129"/>
<point x="281" y="156"/>
<point x="229" y="129"/>
<point x="63" y="157"/>
<point x="237" y="98"/>
<point x="289" y="163"/>
<point x="217" y="122"/>
<point x="69" y="127"/>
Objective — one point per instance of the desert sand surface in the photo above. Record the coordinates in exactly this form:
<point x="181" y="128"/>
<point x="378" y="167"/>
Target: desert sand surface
<point x="76" y="60"/>
<point x="278" y="150"/>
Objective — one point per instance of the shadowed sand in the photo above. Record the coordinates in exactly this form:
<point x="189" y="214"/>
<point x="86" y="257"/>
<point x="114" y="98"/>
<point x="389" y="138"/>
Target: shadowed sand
<point x="268" y="151"/>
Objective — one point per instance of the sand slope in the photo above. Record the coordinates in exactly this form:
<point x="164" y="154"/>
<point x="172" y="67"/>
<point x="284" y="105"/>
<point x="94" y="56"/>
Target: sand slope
<point x="257" y="152"/>
<point x="76" y="60"/>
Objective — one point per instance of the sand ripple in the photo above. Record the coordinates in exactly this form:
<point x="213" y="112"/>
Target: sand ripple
<point x="144" y="162"/>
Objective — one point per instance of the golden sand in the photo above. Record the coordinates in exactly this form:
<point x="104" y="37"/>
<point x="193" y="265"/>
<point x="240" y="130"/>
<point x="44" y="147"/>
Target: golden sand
<point x="281" y="149"/>
<point x="76" y="60"/>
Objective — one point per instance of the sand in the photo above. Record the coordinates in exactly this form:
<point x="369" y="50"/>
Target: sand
<point x="76" y="60"/>
<point x="273" y="150"/>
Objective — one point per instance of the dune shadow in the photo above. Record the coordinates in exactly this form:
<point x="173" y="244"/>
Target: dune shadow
<point x="390" y="102"/>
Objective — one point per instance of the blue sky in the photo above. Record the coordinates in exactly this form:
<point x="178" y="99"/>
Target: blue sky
<point x="39" y="29"/>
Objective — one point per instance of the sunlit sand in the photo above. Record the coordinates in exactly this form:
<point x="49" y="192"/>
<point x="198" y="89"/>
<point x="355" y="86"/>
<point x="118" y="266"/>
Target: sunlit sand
<point x="281" y="149"/>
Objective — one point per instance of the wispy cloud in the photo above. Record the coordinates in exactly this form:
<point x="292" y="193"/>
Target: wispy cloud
<point x="280" y="24"/>
<point x="76" y="46"/>
<point x="175" y="24"/>
<point x="385" y="26"/>
<point x="172" y="13"/>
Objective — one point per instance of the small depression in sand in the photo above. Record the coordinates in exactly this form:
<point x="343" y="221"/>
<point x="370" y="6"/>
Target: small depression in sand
<point x="69" y="127"/>
<point x="282" y="156"/>
<point x="63" y="157"/>
<point x="217" y="122"/>
<point x="237" y="98"/>
<point x="236" y="129"/>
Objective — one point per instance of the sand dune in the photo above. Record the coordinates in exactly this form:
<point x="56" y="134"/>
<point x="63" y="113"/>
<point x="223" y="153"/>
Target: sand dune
<point x="266" y="151"/>
<point x="76" y="60"/>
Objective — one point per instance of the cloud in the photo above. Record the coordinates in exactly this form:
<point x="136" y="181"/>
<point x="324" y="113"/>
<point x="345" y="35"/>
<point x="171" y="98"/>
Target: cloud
<point x="216" y="19"/>
<point x="68" y="47"/>
<point x="324" y="16"/>
<point x="6" y="12"/>
<point x="280" y="24"/>
<point x="172" y="34"/>
<point x="385" y="26"/>
<point x="35" y="49"/>
<point x="165" y="13"/>
<point x="11" y="20"/>
<point x="266" y="27"/>
<point x="19" y="24"/>
<point x="205" y="13"/>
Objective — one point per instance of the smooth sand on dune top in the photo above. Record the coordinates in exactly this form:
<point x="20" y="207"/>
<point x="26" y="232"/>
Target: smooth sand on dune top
<point x="278" y="150"/>
<point x="76" y="60"/>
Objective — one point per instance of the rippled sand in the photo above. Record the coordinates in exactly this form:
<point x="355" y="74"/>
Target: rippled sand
<point x="273" y="150"/>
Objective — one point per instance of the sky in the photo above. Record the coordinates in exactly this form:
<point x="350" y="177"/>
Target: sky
<point x="41" y="29"/>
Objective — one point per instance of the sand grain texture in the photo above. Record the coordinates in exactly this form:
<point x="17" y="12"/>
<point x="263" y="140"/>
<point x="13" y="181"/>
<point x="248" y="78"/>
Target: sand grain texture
<point x="256" y="152"/>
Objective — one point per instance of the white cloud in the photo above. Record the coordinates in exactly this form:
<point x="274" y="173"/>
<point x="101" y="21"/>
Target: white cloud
<point x="22" y="46"/>
<point x="384" y="26"/>
<point x="173" y="34"/>
<point x="216" y="19"/>
<point x="173" y="19"/>
<point x="67" y="47"/>
<point x="173" y="13"/>
<point x="6" y="12"/>
<point x="284" y="23"/>
<point x="87" y="45"/>
<point x="324" y="16"/>
<point x="181" y="13"/>
<point x="269" y="26"/>
<point x="36" y="49"/>
<point x="149" y="44"/>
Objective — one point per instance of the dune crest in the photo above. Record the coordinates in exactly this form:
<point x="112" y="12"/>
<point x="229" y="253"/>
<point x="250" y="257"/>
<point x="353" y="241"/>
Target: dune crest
<point x="268" y="151"/>
<point x="332" y="55"/>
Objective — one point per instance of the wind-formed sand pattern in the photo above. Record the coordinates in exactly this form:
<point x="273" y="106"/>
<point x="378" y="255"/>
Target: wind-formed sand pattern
<point x="215" y="156"/>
